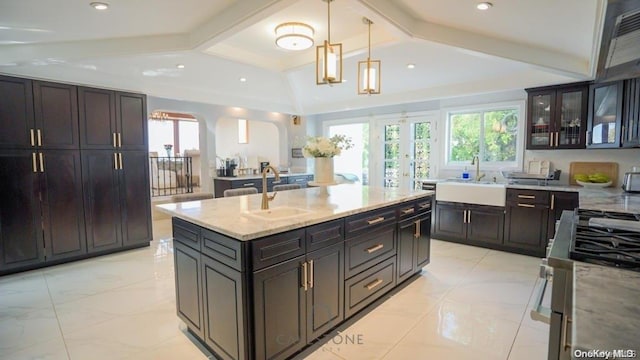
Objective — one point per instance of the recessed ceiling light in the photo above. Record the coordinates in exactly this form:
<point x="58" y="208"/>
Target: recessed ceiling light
<point x="99" y="5"/>
<point x="484" y="6"/>
<point x="243" y="79"/>
<point x="411" y="66"/>
<point x="180" y="66"/>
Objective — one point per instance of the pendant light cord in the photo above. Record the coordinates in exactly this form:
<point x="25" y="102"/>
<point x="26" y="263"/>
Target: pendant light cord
<point x="329" y="21"/>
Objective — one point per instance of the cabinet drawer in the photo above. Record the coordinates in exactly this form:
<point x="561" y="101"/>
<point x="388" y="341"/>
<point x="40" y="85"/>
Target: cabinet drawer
<point x="405" y="211"/>
<point x="223" y="249"/>
<point x="325" y="234"/>
<point x="368" y="249"/>
<point x="186" y="233"/>
<point x="524" y="196"/>
<point x="363" y="289"/>
<point x="274" y="249"/>
<point x="363" y="222"/>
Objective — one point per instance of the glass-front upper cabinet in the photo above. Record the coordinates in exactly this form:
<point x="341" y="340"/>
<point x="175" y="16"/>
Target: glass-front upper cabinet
<point x="605" y="115"/>
<point x="557" y="117"/>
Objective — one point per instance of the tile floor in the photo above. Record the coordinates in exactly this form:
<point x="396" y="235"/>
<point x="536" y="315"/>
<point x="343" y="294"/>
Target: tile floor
<point x="469" y="303"/>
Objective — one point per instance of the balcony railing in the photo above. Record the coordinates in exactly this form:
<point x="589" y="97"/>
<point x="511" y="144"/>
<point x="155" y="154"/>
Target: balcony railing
<point x="171" y="175"/>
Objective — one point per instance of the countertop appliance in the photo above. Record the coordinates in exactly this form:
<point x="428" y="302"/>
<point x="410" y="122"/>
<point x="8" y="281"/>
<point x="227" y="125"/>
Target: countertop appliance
<point x="631" y="182"/>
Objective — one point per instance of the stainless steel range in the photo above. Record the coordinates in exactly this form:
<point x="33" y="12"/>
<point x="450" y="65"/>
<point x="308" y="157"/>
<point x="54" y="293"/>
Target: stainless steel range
<point x="602" y="237"/>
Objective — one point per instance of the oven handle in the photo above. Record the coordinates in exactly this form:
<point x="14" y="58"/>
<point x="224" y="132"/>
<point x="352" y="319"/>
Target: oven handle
<point x="539" y="312"/>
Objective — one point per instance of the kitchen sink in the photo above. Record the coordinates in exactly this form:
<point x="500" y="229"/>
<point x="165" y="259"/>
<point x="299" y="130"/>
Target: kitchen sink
<point x="472" y="193"/>
<point x="278" y="213"/>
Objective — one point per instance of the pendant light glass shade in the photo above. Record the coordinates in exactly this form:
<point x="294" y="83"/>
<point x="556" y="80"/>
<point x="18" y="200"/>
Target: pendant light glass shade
<point x="369" y="70"/>
<point x="328" y="57"/>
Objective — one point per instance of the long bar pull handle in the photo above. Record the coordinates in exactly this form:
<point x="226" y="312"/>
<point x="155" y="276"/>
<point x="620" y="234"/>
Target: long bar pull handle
<point x="33" y="138"/>
<point x="248" y="184"/>
<point x="41" y="162"/>
<point x="566" y="320"/>
<point x="310" y="274"/>
<point x="115" y="161"/>
<point x="304" y="275"/>
<point x="120" y="160"/>
<point x="374" y="248"/>
<point x="551" y="139"/>
<point x="465" y="216"/>
<point x="468" y="216"/>
<point x="557" y="137"/>
<point x="416" y="234"/>
<point x="34" y="162"/>
<point x="526" y="205"/>
<point x="375" y="221"/>
<point x="408" y="211"/>
<point x="526" y="196"/>
<point x="39" y="137"/>
<point x="553" y="201"/>
<point x="370" y="286"/>
<point x="119" y="139"/>
<point x="115" y="141"/>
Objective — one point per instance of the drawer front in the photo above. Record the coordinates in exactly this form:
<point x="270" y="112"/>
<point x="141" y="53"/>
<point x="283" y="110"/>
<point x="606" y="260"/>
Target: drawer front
<point x="274" y="249"/>
<point x="523" y="196"/>
<point x="368" y="249"/>
<point x="186" y="233"/>
<point x="406" y="210"/>
<point x="325" y="234"/>
<point x="222" y="248"/>
<point x="359" y="223"/>
<point x="363" y="289"/>
<point x="423" y="205"/>
<point x="301" y="180"/>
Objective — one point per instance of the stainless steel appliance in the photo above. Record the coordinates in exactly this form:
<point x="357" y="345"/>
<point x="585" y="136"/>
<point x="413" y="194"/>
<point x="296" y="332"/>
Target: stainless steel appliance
<point x="602" y="237"/>
<point x="631" y="182"/>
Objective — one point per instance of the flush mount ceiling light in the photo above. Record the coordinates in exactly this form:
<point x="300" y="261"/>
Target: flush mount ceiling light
<point x="328" y="57"/>
<point x="368" y="70"/>
<point x="99" y="5"/>
<point x="243" y="79"/>
<point x="294" y="36"/>
<point x="411" y="66"/>
<point x="484" y="6"/>
<point x="180" y="66"/>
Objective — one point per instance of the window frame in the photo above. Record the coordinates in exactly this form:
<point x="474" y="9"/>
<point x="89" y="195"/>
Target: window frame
<point x="517" y="164"/>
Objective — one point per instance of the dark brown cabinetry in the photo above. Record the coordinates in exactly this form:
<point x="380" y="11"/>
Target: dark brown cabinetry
<point x="556" y="116"/>
<point x="16" y="113"/>
<point x="112" y="120"/>
<point x="42" y="215"/>
<point x="56" y="116"/>
<point x="473" y="224"/>
<point x="560" y="201"/>
<point x="605" y="115"/>
<point x="414" y="245"/>
<point x="527" y="224"/>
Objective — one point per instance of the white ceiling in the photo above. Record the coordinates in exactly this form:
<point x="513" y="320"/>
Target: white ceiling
<point x="458" y="50"/>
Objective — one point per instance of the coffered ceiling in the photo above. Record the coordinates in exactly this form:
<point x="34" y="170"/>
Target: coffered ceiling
<point x="457" y="50"/>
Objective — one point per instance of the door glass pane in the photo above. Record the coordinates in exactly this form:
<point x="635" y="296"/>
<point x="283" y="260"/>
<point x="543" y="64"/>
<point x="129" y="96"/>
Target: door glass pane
<point x="500" y="135"/>
<point x="421" y="153"/>
<point x="541" y="109"/>
<point x="570" y="118"/>
<point x="604" y="114"/>
<point x="392" y="156"/>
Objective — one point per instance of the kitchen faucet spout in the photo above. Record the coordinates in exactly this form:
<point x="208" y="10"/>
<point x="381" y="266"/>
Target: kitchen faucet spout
<point x="476" y="161"/>
<point x="265" y="196"/>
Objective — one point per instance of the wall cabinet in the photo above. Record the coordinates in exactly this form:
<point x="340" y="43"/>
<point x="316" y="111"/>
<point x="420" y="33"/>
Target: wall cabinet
<point x="631" y="113"/>
<point x="16" y="113"/>
<point x="605" y="115"/>
<point x="469" y="223"/>
<point x="557" y="116"/>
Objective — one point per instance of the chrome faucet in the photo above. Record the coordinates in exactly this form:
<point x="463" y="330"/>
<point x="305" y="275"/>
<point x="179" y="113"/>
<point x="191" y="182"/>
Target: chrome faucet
<point x="265" y="196"/>
<point x="476" y="161"/>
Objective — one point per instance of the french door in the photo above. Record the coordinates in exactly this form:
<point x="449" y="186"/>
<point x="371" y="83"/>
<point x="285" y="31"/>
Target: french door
<point x="407" y="151"/>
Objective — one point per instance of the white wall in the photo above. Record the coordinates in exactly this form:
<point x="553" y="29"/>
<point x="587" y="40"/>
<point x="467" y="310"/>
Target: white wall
<point x="263" y="142"/>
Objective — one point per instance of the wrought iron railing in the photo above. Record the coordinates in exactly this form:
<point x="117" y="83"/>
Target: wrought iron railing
<point x="171" y="175"/>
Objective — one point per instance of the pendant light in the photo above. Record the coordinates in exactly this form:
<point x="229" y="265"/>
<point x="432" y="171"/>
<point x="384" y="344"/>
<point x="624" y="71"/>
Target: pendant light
<point x="368" y="70"/>
<point x="328" y="57"/>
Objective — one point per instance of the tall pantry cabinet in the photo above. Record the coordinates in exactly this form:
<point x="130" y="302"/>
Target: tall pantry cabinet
<point x="44" y="214"/>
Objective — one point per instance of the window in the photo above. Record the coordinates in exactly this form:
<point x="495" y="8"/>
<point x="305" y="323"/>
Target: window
<point x="492" y="134"/>
<point x="181" y="134"/>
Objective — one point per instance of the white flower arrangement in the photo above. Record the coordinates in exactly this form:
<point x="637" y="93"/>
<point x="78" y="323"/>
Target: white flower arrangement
<point x="321" y="146"/>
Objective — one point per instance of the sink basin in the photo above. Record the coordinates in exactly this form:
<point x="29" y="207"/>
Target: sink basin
<point x="472" y="193"/>
<point x="278" y="213"/>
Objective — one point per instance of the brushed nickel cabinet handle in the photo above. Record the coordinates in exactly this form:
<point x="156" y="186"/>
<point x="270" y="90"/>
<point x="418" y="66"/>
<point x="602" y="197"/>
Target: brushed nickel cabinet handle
<point x="304" y="276"/>
<point x="526" y="205"/>
<point x="34" y="162"/>
<point x="33" y="141"/>
<point x="115" y="161"/>
<point x="465" y="217"/>
<point x="468" y="216"/>
<point x="370" y="286"/>
<point x="248" y="184"/>
<point x="115" y="140"/>
<point x="553" y="201"/>
<point x="557" y="137"/>
<point x="119" y="139"/>
<point x="120" y="160"/>
<point x="550" y="139"/>
<point x="39" y="137"/>
<point x="41" y="162"/>
<point x="310" y="274"/>
<point x="416" y="233"/>
<point x="408" y="211"/>
<point x="375" y="221"/>
<point x="526" y="196"/>
<point x="374" y="248"/>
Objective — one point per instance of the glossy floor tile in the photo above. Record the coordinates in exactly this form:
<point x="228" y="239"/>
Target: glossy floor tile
<point x="468" y="303"/>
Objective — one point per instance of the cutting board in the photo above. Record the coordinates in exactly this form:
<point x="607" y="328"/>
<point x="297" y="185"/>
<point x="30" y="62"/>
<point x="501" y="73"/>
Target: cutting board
<point x="608" y="168"/>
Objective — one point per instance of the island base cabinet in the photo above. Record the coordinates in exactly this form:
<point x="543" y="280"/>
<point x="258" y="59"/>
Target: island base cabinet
<point x="280" y="309"/>
<point x="188" y="289"/>
<point x="325" y="295"/>
<point x="422" y="248"/>
<point x="414" y="245"/>
<point x="368" y="286"/>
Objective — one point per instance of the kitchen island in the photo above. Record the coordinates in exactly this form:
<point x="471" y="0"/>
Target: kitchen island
<point x="266" y="284"/>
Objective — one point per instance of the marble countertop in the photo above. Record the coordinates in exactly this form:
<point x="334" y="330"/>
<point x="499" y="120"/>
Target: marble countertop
<point x="606" y="311"/>
<point x="232" y="216"/>
<point x="258" y="176"/>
